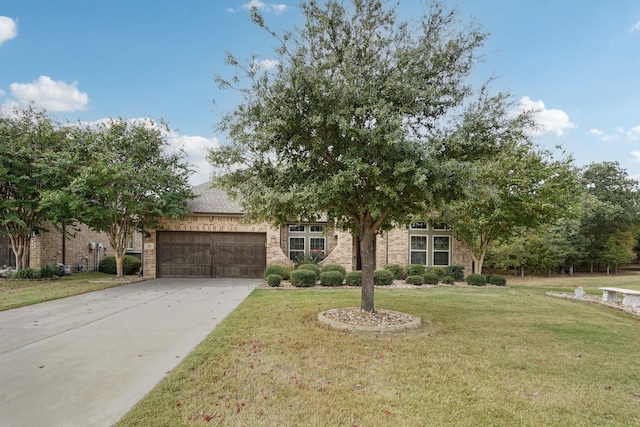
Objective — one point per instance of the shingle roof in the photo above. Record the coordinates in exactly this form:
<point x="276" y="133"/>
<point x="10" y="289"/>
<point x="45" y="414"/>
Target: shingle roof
<point x="212" y="201"/>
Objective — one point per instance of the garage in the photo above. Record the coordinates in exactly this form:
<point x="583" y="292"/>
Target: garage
<point x="211" y="255"/>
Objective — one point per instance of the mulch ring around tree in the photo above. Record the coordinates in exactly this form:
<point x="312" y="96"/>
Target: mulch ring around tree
<point x="592" y="299"/>
<point x="356" y="319"/>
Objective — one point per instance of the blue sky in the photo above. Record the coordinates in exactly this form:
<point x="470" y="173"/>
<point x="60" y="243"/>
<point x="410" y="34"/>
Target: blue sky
<point x="576" y="60"/>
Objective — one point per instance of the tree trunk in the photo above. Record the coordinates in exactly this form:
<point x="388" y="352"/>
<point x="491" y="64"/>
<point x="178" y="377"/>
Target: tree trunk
<point x="368" y="265"/>
<point x="20" y="244"/>
<point x="571" y="271"/>
<point x="117" y="240"/>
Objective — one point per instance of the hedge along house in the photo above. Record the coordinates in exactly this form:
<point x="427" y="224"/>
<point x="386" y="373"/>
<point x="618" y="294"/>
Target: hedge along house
<point x="213" y="241"/>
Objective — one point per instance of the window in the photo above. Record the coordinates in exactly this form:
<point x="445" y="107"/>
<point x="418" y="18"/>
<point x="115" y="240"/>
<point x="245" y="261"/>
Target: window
<point x="296" y="247"/>
<point x="419" y="226"/>
<point x="317" y="245"/>
<point x="130" y="240"/>
<point x="307" y="240"/>
<point x="441" y="226"/>
<point x="418" y="250"/>
<point x="441" y="250"/>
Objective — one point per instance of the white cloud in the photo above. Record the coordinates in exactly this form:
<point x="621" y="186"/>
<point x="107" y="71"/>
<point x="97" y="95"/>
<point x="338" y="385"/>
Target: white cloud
<point x="634" y="133"/>
<point x="260" y="5"/>
<point x="196" y="149"/>
<point x="635" y="27"/>
<point x="636" y="155"/>
<point x="549" y="120"/>
<point x="51" y="95"/>
<point x="266" y="64"/>
<point x="8" y="29"/>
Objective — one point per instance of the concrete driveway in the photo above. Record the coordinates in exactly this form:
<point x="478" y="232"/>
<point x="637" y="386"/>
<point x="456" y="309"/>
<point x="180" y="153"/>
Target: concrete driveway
<point x="86" y="360"/>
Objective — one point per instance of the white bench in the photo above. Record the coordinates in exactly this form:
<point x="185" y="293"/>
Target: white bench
<point x="631" y="297"/>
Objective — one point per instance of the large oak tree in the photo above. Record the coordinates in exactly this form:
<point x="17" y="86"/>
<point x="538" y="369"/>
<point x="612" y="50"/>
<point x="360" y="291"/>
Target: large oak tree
<point x="346" y="125"/>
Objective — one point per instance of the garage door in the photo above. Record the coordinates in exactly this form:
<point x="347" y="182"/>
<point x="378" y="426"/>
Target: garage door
<point x="191" y="254"/>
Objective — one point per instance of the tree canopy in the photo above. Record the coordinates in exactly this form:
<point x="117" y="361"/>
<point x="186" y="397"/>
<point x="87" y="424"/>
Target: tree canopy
<point x="29" y="149"/>
<point x="124" y="180"/>
<point x="348" y="124"/>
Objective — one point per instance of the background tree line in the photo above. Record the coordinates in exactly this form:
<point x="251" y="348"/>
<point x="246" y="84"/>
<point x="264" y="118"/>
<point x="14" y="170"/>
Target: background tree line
<point x="599" y="234"/>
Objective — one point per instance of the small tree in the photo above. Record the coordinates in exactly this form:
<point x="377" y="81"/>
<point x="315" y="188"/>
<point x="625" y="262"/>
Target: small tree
<point x="346" y="124"/>
<point x="517" y="186"/>
<point x="126" y="180"/>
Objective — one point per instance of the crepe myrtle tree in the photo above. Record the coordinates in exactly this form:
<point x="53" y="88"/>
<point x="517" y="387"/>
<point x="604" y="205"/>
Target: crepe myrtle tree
<point x="126" y="179"/>
<point x="30" y="147"/>
<point x="345" y="124"/>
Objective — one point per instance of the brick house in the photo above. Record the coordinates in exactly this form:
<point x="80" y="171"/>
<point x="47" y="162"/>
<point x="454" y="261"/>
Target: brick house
<point x="82" y="250"/>
<point x="213" y="241"/>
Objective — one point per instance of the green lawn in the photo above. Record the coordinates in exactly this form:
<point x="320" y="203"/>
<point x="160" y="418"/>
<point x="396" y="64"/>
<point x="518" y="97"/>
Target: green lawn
<point x="484" y="356"/>
<point x="18" y="293"/>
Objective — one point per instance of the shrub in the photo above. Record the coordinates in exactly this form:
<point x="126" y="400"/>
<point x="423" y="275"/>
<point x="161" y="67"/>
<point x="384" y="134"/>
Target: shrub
<point x="438" y="271"/>
<point x="287" y="273"/>
<point x="25" y="273"/>
<point x="312" y="258"/>
<point x="430" y="279"/>
<point x="311" y="267"/>
<point x="130" y="265"/>
<point x="354" y="278"/>
<point x="476" y="280"/>
<point x="415" y="270"/>
<point x="455" y="271"/>
<point x="333" y="267"/>
<point x="498" y="280"/>
<point x="48" y="272"/>
<point x="331" y="278"/>
<point x="382" y="277"/>
<point x="448" y="280"/>
<point x="274" y="280"/>
<point x="396" y="269"/>
<point x="303" y="278"/>
<point x="273" y="269"/>
<point x="414" y="280"/>
<point x="108" y="265"/>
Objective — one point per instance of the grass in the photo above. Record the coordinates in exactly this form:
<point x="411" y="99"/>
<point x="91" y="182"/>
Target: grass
<point x="19" y="293"/>
<point x="484" y="356"/>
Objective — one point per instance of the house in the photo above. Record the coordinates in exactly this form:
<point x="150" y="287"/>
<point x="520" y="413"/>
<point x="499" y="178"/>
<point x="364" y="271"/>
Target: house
<point x="81" y="248"/>
<point x="213" y="241"/>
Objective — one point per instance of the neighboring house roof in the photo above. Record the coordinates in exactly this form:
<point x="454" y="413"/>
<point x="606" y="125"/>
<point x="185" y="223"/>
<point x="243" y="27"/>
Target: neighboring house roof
<point x="212" y="201"/>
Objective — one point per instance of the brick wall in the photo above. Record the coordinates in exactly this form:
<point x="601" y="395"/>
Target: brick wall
<point x="47" y="248"/>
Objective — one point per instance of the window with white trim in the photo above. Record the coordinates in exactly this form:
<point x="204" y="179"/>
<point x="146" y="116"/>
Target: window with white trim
<point x="441" y="250"/>
<point x="418" y="249"/>
<point x="419" y="226"/>
<point x="307" y="240"/>
<point x="296" y="247"/>
<point x="441" y="226"/>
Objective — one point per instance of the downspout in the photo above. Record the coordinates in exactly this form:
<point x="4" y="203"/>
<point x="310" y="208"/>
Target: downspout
<point x="386" y="245"/>
<point x="64" y="244"/>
